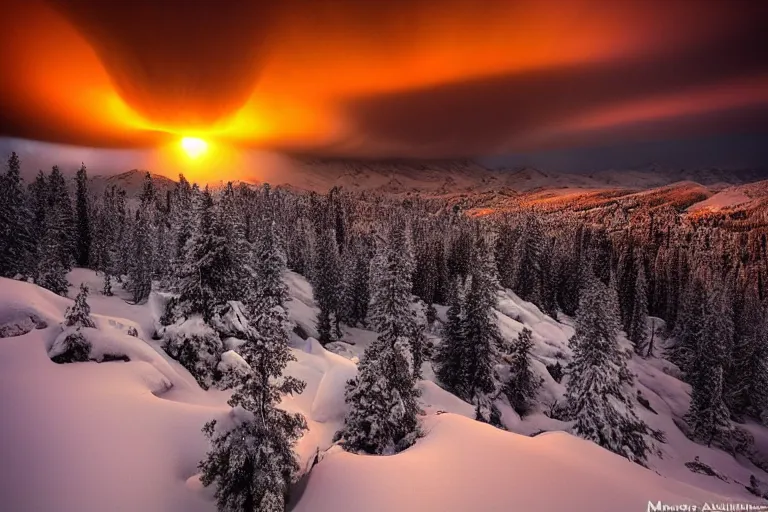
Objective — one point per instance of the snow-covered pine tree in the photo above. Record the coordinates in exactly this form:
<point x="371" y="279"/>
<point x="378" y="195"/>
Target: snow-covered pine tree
<point x="758" y="389"/>
<point x="745" y="370"/>
<point x="268" y="311"/>
<point x="356" y="280"/>
<point x="548" y="286"/>
<point x="79" y="314"/>
<point x="60" y="202"/>
<point x="382" y="417"/>
<point x="599" y="396"/>
<point x="383" y="408"/>
<point x="216" y="278"/>
<point x="523" y="383"/>
<point x="107" y="229"/>
<point x="638" y="328"/>
<point x="162" y="250"/>
<point x="325" y="285"/>
<point x="391" y="284"/>
<point x="16" y="243"/>
<point x="301" y="246"/>
<point x="142" y="245"/>
<point x="626" y="284"/>
<point x="83" y="220"/>
<point x="53" y="259"/>
<point x="689" y="327"/>
<point x="505" y="253"/>
<point x="183" y="220"/>
<point x="481" y="329"/>
<point x="203" y="279"/>
<point x="72" y="346"/>
<point x="38" y="206"/>
<point x="708" y="415"/>
<point x="452" y="353"/>
<point x="238" y="250"/>
<point x="528" y="278"/>
<point x="253" y="462"/>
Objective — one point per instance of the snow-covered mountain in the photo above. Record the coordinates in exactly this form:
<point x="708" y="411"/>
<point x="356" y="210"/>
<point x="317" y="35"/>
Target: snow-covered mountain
<point x="445" y="177"/>
<point x="130" y="181"/>
<point x="125" y="436"/>
<point x="463" y="176"/>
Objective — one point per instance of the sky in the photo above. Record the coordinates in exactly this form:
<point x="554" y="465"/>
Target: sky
<point x="563" y="84"/>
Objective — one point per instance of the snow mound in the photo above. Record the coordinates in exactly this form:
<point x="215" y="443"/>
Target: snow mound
<point x="329" y="404"/>
<point x="463" y="465"/>
<point x="24" y="307"/>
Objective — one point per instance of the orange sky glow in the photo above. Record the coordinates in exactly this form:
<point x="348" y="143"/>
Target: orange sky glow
<point x="349" y="78"/>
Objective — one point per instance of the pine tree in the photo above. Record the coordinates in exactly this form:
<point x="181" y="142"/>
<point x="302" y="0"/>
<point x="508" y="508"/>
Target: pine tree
<point x="83" y="248"/>
<point x="74" y="347"/>
<point x="708" y="415"/>
<point x="16" y="244"/>
<point x="325" y="285"/>
<point x="183" y="219"/>
<point x="626" y="286"/>
<point x="529" y="278"/>
<point x="205" y="280"/>
<point x="140" y="263"/>
<point x="758" y="387"/>
<point x="480" y="327"/>
<point x="506" y="254"/>
<point x="356" y="281"/>
<point x="523" y="384"/>
<point x="269" y="314"/>
<point x="599" y="397"/>
<point x="453" y="352"/>
<point x="79" y="315"/>
<point x="253" y="462"/>
<point x="38" y="206"/>
<point x="638" y="328"/>
<point x="60" y="202"/>
<point x="51" y="269"/>
<point x="107" y="289"/>
<point x="747" y="357"/>
<point x="689" y="327"/>
<point x="466" y="359"/>
<point x="383" y="408"/>
<point x="390" y="307"/>
<point x="142" y="247"/>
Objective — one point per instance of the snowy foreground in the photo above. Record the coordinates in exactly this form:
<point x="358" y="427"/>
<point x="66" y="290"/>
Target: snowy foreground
<point x="125" y="436"/>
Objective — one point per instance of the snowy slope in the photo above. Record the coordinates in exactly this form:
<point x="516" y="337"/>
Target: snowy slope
<point x="465" y="465"/>
<point x="732" y="196"/>
<point x="125" y="436"/>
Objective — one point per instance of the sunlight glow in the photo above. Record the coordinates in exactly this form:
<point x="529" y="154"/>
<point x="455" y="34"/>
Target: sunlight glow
<point x="193" y="146"/>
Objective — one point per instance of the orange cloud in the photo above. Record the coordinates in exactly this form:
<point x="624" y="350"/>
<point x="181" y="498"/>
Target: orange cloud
<point x="352" y="77"/>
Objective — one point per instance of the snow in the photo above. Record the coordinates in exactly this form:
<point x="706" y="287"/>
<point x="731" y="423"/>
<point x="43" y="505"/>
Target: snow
<point x="125" y="436"/>
<point x="462" y="465"/>
<point x="727" y="198"/>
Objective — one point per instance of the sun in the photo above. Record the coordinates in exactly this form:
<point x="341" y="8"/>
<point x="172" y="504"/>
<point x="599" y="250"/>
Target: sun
<point x="193" y="146"/>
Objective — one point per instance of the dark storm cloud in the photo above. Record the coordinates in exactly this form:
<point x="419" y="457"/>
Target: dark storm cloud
<point x="189" y="60"/>
<point x="477" y="116"/>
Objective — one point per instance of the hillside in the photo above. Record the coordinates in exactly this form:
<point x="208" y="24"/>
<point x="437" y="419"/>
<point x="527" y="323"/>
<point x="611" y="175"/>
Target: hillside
<point x="139" y="424"/>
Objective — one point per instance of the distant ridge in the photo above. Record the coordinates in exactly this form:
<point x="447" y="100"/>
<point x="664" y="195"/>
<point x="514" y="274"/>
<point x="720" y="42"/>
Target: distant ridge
<point x="445" y="177"/>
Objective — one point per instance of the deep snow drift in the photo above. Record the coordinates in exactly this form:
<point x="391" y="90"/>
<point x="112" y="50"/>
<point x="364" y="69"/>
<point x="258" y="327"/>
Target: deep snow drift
<point x="125" y="436"/>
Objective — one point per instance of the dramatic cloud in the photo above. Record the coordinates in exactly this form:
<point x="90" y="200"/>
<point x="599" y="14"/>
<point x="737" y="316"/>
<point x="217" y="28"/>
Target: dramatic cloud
<point x="398" y="78"/>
